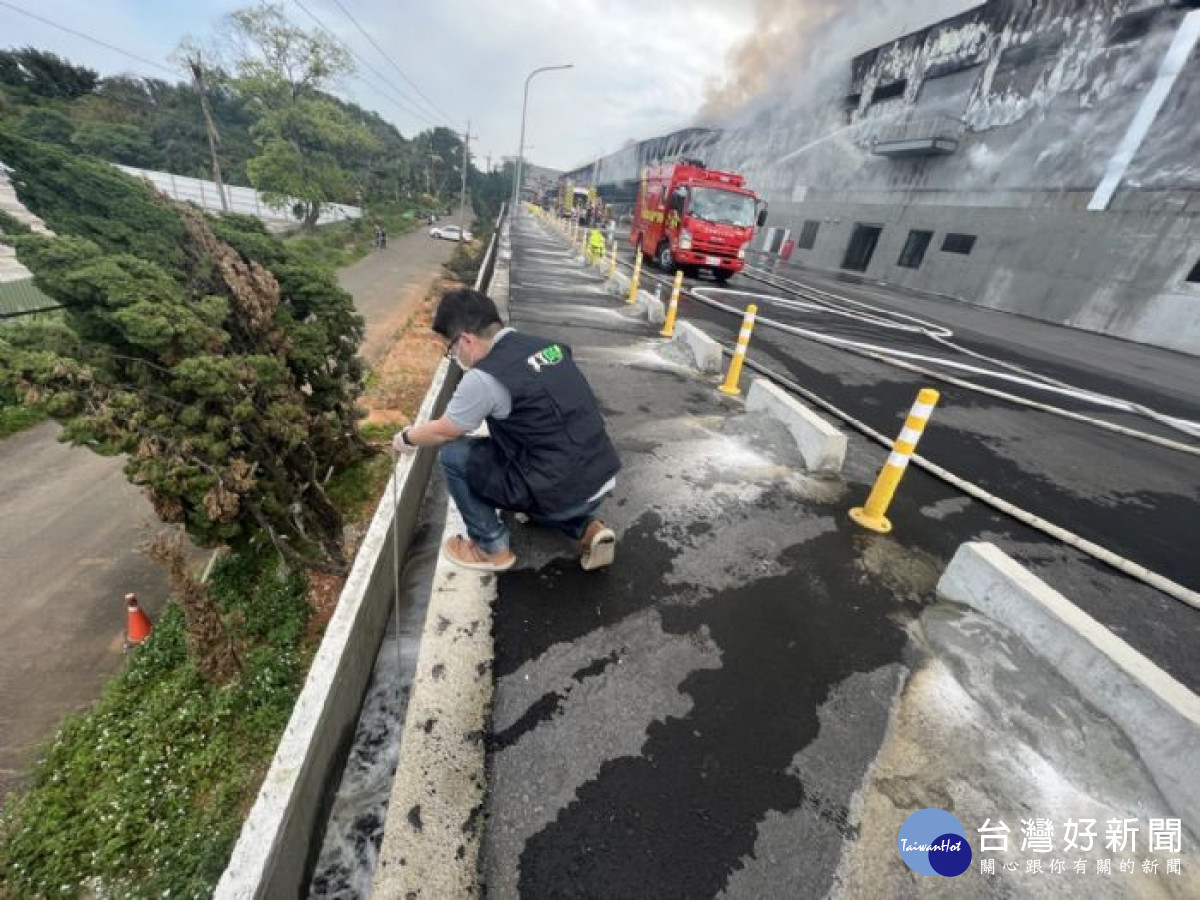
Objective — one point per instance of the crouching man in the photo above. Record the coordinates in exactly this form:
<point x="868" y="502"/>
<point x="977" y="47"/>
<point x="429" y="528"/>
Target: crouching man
<point x="548" y="455"/>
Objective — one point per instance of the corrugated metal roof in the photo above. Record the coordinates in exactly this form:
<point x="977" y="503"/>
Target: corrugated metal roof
<point x="18" y="298"/>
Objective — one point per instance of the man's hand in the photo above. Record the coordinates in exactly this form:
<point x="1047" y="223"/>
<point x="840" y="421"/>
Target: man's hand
<point x="400" y="442"/>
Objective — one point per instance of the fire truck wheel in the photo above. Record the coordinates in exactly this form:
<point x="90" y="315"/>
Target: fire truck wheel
<point x="666" y="260"/>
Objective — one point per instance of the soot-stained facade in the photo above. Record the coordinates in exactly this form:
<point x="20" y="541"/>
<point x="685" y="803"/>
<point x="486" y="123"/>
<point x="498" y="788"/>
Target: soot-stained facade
<point x="1034" y="156"/>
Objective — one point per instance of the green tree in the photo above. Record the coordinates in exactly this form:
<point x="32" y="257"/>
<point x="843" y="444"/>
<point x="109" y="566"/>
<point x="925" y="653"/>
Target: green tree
<point x="125" y="144"/>
<point x="45" y="124"/>
<point x="45" y="74"/>
<point x="302" y="135"/>
<point x="221" y="365"/>
<point x="490" y="190"/>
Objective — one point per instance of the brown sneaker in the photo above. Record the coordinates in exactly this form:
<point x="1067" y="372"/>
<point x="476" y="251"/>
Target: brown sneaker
<point x="466" y="553"/>
<point x="598" y="546"/>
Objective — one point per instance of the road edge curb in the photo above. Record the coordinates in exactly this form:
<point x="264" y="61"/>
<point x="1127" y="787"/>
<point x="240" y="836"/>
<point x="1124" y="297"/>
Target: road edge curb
<point x="1159" y="715"/>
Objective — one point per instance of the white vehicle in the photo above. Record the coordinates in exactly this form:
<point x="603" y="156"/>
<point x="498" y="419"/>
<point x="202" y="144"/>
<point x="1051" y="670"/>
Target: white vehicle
<point x="449" y="233"/>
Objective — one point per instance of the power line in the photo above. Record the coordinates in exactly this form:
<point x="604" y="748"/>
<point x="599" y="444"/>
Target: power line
<point x="429" y="103"/>
<point x="88" y="37"/>
<point x="402" y="104"/>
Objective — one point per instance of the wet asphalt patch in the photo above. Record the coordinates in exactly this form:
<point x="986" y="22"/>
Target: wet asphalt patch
<point x="677" y="819"/>
<point x="1085" y="482"/>
<point x="703" y="718"/>
<point x="652" y="718"/>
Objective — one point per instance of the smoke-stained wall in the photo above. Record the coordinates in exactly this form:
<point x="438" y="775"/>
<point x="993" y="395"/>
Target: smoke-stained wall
<point x="617" y="175"/>
<point x="998" y="124"/>
<point x="1034" y="98"/>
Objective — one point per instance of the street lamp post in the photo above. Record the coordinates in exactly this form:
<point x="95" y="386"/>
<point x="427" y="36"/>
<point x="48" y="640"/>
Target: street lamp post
<point x="516" y="194"/>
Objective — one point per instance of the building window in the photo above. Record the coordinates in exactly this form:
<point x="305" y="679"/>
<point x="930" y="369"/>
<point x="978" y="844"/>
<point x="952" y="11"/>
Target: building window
<point x="861" y="247"/>
<point x="914" y="249"/>
<point x="888" y="91"/>
<point x="1194" y="275"/>
<point x="808" y="234"/>
<point x="958" y="243"/>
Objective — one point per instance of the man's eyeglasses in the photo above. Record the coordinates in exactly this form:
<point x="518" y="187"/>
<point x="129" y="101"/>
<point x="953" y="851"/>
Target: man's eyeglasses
<point x="450" y="347"/>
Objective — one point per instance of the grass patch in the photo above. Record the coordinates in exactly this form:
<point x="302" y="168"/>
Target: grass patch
<point x="341" y="243"/>
<point x="464" y="263"/>
<point x="18" y="418"/>
<point x="145" y="793"/>
<point x="377" y="432"/>
<point x="334" y="246"/>
<point x="357" y="489"/>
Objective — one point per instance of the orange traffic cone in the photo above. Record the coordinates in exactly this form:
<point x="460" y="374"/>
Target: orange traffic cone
<point x="138" y="625"/>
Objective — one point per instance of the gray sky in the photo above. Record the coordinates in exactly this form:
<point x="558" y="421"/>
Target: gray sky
<point x="641" y="68"/>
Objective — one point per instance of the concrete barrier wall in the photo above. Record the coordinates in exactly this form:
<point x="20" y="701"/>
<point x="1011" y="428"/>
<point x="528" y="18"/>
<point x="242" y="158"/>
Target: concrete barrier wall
<point x="432" y="834"/>
<point x="1159" y="715"/>
<point x="822" y="446"/>
<point x="278" y="843"/>
<point x="651" y="307"/>
<point x="704" y="350"/>
<point x="618" y="285"/>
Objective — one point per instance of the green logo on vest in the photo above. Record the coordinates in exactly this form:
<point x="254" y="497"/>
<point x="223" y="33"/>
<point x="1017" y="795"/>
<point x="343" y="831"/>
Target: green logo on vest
<point x="547" y="356"/>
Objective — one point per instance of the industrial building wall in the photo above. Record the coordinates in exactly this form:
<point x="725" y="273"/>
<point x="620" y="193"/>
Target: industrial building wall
<point x="1059" y="263"/>
<point x="1001" y="123"/>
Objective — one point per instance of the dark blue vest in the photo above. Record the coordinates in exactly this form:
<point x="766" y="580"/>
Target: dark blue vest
<point x="552" y="452"/>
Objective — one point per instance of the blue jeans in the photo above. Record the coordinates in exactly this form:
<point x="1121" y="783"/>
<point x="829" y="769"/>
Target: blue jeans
<point x="483" y="525"/>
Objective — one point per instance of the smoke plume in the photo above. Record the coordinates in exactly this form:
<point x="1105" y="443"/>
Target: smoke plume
<point x="797" y="46"/>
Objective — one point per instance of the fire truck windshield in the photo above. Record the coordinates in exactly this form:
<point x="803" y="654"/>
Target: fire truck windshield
<point x="721" y="207"/>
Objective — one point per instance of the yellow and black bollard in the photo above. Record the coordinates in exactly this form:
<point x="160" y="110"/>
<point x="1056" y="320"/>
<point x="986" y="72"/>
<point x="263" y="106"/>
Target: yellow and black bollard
<point x="872" y="514"/>
<point x="739" y="353"/>
<point x="668" y="329"/>
<point x="635" y="277"/>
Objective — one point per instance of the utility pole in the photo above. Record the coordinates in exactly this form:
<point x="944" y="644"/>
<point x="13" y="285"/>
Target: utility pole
<point x="214" y="139"/>
<point x="462" y="201"/>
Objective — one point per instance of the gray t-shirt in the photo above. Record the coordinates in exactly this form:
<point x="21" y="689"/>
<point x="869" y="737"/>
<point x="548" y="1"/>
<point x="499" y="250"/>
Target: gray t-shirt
<point x="478" y="396"/>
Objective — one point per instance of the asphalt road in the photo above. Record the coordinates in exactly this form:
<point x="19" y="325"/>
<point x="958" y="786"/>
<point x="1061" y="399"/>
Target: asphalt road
<point x="1134" y="498"/>
<point x="756" y="695"/>
<point x="387" y="284"/>
<point x="69" y="529"/>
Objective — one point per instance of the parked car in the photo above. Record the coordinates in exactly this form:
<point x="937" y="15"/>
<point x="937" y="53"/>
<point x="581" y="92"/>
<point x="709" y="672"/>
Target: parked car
<point x="449" y="233"/>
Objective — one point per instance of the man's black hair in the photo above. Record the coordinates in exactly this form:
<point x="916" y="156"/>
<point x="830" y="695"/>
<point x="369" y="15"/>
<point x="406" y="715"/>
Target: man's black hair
<point x="465" y="310"/>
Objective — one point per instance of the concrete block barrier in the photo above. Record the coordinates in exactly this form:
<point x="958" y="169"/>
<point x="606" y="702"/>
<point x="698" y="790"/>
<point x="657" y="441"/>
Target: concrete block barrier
<point x="651" y="307"/>
<point x="618" y="284"/>
<point x="1160" y="716"/>
<point x="821" y="445"/>
<point x="705" y="351"/>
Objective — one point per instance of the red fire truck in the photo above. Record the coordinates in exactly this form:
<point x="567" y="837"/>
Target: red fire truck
<point x="692" y="218"/>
